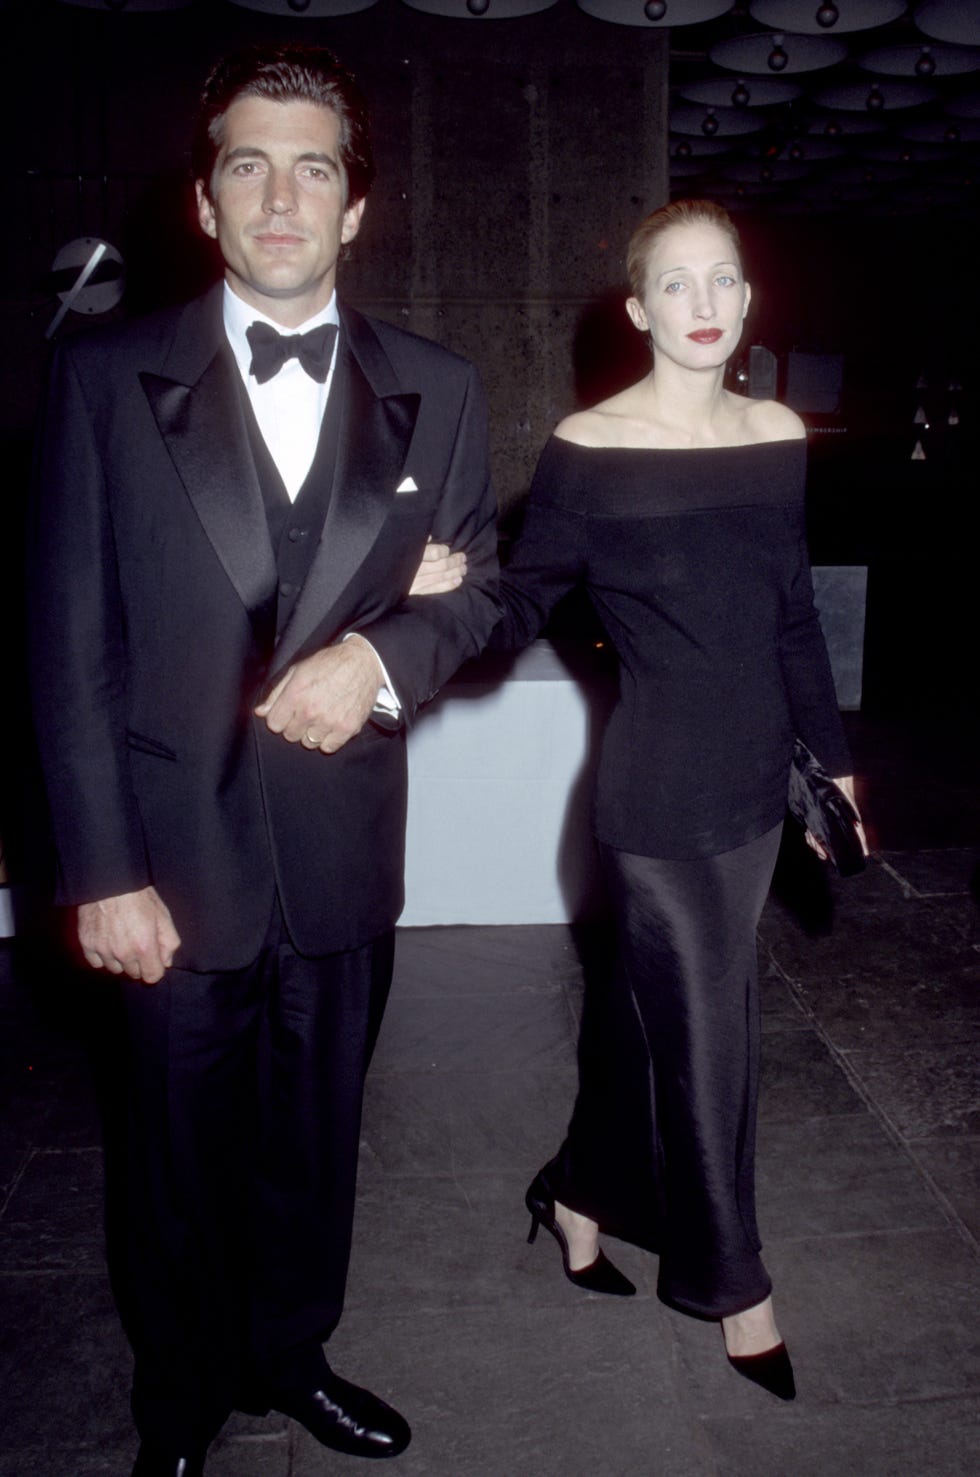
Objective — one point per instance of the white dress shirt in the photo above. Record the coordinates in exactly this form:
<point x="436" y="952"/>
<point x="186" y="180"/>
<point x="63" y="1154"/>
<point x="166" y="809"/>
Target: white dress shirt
<point x="289" y="410"/>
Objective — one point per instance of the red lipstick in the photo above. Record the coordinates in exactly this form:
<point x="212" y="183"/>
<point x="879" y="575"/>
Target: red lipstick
<point x="706" y="335"/>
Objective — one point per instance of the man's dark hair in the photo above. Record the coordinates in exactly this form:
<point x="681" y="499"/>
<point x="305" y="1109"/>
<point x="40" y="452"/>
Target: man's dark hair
<point x="287" y="74"/>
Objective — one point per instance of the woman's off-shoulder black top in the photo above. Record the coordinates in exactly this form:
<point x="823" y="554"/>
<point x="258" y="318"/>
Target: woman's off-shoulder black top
<point x="696" y="563"/>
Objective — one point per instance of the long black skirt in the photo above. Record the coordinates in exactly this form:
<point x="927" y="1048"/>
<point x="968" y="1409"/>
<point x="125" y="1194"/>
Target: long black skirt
<point x="661" y="1145"/>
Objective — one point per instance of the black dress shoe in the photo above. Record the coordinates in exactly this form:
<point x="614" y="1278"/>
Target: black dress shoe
<point x="157" y="1461"/>
<point x="771" y="1369"/>
<point x="344" y="1417"/>
<point x="598" y="1276"/>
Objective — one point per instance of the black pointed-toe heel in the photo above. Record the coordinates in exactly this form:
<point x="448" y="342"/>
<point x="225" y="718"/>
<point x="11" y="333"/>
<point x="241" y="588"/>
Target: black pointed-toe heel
<point x="771" y="1369"/>
<point x="598" y="1276"/>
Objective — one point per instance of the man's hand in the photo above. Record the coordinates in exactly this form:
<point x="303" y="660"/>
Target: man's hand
<point x="327" y="698"/>
<point x="439" y="572"/>
<point x="130" y="934"/>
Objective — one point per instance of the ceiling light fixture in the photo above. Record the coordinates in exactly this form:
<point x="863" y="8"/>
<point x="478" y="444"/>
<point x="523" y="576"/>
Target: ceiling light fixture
<point x="778" y="58"/>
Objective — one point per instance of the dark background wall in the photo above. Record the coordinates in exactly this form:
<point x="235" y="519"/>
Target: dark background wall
<point x="513" y="161"/>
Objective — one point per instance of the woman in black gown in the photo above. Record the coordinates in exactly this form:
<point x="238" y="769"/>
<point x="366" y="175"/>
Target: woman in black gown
<point x="679" y="506"/>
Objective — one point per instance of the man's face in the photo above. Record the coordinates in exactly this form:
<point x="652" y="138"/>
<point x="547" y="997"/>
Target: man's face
<point x="276" y="204"/>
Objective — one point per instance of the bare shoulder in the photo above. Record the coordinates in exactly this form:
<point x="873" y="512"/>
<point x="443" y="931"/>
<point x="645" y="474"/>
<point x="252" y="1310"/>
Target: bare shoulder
<point x="612" y="422"/>
<point x="584" y="428"/>
<point x="771" y="421"/>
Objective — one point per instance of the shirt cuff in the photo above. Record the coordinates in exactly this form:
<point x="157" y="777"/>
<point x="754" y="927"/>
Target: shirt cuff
<point x="386" y="701"/>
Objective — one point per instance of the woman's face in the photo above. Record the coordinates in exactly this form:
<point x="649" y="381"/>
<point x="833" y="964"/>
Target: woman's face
<point x="695" y="298"/>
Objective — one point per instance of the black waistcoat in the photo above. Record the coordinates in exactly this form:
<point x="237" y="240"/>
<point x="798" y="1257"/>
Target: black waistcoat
<point x="295" y="527"/>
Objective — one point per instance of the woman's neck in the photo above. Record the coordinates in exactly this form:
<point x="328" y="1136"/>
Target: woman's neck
<point x="692" y="401"/>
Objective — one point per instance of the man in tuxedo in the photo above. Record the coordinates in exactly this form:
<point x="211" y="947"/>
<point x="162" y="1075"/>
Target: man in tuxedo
<point x="231" y="503"/>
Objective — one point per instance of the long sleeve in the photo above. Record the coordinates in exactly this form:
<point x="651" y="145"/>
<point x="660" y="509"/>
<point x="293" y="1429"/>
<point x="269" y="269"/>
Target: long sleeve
<point x="809" y="680"/>
<point x="548" y="559"/>
<point x="426" y="637"/>
<point x="77" y="640"/>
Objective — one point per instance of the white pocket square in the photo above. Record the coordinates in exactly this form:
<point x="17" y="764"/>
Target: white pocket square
<point x="408" y="485"/>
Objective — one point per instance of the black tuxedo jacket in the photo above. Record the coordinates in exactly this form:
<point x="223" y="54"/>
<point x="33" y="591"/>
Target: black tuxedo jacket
<point x="151" y="572"/>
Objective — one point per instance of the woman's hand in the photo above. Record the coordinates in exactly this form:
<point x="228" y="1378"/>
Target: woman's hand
<point x="439" y="572"/>
<point x="846" y="784"/>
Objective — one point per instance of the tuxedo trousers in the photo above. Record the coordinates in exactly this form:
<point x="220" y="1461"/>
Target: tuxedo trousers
<point x="230" y="1215"/>
<point x="661" y="1145"/>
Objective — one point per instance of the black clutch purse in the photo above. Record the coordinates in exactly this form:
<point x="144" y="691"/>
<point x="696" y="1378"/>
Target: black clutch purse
<point x="822" y="808"/>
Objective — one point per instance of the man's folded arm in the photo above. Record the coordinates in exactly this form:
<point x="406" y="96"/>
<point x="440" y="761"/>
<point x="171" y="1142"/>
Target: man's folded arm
<point x="424" y="639"/>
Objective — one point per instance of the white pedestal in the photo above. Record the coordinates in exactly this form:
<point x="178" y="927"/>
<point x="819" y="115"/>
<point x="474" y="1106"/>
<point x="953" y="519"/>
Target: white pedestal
<point x="500" y="791"/>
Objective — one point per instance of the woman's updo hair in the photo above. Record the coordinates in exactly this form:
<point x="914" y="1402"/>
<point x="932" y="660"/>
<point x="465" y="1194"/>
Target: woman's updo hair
<point x="680" y="213"/>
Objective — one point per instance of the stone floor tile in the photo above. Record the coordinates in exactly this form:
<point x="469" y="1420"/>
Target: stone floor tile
<point x="472" y="1122"/>
<point x="574" y="1393"/>
<point x="486" y="1034"/>
<point x="12" y="1160"/>
<point x="927" y="1092"/>
<point x="99" y="1460"/>
<point x="265" y="1455"/>
<point x="240" y="1424"/>
<point x="865" y="1008"/>
<point x="880" y="1318"/>
<point x="907" y="937"/>
<point x="26" y="1103"/>
<point x="780" y="1009"/>
<point x="904" y="1440"/>
<point x="574" y="992"/>
<point x="801" y="1079"/>
<point x="54" y="1218"/>
<point x="954" y="1165"/>
<point x="875" y="887"/>
<point x="432" y="1245"/>
<point x="65" y="1367"/>
<point x="73" y="1120"/>
<point x="837" y="1176"/>
<point x="935" y="872"/>
<point x="477" y="961"/>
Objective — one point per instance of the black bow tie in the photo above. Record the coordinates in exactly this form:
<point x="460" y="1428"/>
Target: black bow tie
<point x="270" y="350"/>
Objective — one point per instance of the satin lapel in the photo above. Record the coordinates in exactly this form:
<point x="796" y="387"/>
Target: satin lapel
<point x="203" y="426"/>
<point x="376" y="428"/>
